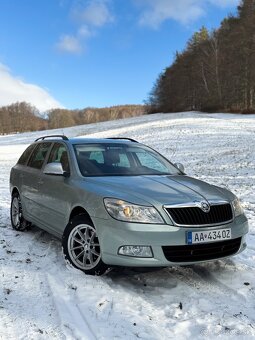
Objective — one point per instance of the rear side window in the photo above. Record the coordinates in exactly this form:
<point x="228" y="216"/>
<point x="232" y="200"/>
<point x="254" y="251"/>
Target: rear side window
<point x="38" y="156"/>
<point x="26" y="154"/>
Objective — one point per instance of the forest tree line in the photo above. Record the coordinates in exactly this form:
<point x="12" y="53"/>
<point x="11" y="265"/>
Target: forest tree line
<point x="216" y="70"/>
<point x="22" y="117"/>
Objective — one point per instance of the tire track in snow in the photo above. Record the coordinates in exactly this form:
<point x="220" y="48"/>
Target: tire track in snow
<point x="73" y="322"/>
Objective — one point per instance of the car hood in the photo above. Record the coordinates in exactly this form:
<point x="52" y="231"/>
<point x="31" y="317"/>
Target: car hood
<point x="158" y="190"/>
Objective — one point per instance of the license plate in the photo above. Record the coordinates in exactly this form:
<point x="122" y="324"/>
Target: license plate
<point x="194" y="237"/>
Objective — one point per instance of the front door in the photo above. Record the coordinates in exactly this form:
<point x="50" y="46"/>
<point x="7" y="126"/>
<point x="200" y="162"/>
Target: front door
<point x="56" y="192"/>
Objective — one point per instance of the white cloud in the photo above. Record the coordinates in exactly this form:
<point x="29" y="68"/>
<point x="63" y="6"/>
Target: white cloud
<point x="70" y="44"/>
<point x="85" y="32"/>
<point x="159" y="11"/>
<point x="156" y="12"/>
<point x="96" y="13"/>
<point x="13" y="89"/>
<point x="90" y="16"/>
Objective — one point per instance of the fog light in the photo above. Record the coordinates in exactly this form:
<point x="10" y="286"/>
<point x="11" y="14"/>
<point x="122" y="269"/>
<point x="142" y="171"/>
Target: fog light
<point x="135" y="251"/>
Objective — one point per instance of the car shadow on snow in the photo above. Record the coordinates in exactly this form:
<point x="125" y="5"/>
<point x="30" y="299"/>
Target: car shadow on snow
<point x="170" y="277"/>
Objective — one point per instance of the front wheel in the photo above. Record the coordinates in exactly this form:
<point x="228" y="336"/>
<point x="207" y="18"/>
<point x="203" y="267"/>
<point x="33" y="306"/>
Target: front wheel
<point x="17" y="220"/>
<point x="81" y="246"/>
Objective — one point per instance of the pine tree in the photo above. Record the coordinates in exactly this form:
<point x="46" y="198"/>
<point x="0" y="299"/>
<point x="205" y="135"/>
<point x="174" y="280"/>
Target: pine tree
<point x="216" y="71"/>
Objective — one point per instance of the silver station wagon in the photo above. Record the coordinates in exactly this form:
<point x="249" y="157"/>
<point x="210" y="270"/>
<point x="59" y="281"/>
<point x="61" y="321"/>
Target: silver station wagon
<point x="116" y="202"/>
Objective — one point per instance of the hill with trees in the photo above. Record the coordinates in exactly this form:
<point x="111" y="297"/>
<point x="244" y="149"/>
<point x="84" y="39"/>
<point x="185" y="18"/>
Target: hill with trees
<point x="21" y="117"/>
<point x="216" y="70"/>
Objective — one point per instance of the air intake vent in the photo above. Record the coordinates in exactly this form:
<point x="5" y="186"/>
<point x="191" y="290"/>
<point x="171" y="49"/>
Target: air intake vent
<point x="202" y="252"/>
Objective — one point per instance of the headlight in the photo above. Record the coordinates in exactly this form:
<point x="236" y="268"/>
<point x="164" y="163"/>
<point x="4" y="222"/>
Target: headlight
<point x="237" y="207"/>
<point x="125" y="211"/>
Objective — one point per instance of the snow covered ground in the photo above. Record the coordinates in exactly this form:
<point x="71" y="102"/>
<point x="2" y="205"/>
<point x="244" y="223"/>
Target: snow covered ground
<point x="42" y="298"/>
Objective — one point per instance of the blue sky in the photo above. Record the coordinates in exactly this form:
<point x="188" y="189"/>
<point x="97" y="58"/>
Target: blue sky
<point x="80" y="53"/>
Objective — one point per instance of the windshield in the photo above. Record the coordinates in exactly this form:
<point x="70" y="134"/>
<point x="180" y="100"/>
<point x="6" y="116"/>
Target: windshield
<point x="121" y="160"/>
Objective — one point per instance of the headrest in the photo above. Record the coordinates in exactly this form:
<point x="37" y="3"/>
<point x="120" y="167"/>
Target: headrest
<point x="84" y="154"/>
<point x="111" y="157"/>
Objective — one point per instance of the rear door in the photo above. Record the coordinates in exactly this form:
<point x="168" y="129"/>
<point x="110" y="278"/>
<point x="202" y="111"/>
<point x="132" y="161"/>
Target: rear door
<point x="31" y="181"/>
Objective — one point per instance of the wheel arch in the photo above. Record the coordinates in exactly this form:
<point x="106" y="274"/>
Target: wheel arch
<point x="78" y="210"/>
<point x="15" y="190"/>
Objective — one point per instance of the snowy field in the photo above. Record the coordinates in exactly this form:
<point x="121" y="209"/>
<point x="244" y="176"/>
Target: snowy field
<point x="42" y="298"/>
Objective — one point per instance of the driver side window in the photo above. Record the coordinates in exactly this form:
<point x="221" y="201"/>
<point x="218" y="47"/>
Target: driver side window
<point x="59" y="155"/>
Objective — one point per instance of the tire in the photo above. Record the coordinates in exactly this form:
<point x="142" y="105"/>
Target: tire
<point x="17" y="220"/>
<point x="81" y="246"/>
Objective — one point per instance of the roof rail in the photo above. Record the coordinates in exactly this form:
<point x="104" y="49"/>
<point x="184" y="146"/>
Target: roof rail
<point x="125" y="138"/>
<point x="51" y="136"/>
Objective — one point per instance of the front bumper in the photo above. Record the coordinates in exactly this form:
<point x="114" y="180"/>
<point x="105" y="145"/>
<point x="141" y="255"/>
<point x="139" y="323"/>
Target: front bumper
<point x="113" y="234"/>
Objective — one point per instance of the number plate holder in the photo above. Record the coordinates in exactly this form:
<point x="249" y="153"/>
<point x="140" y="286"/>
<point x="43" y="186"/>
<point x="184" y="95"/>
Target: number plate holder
<point x="207" y="236"/>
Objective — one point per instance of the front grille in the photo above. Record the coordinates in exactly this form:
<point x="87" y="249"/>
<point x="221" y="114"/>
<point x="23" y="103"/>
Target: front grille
<point x="202" y="252"/>
<point x="192" y="216"/>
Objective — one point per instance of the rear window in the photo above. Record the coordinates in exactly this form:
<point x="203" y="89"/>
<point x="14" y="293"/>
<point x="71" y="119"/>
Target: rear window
<point x="26" y="154"/>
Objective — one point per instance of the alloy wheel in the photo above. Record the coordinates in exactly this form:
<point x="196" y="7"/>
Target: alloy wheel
<point x="16" y="211"/>
<point x="83" y="247"/>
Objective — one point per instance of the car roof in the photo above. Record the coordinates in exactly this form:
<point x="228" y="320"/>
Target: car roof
<point x="85" y="140"/>
<point x="99" y="140"/>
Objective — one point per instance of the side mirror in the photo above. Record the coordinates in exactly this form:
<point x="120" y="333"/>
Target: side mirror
<point x="179" y="166"/>
<point x="54" y="169"/>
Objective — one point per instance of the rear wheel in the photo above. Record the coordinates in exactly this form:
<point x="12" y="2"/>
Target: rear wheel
<point x="81" y="246"/>
<point x="17" y="220"/>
